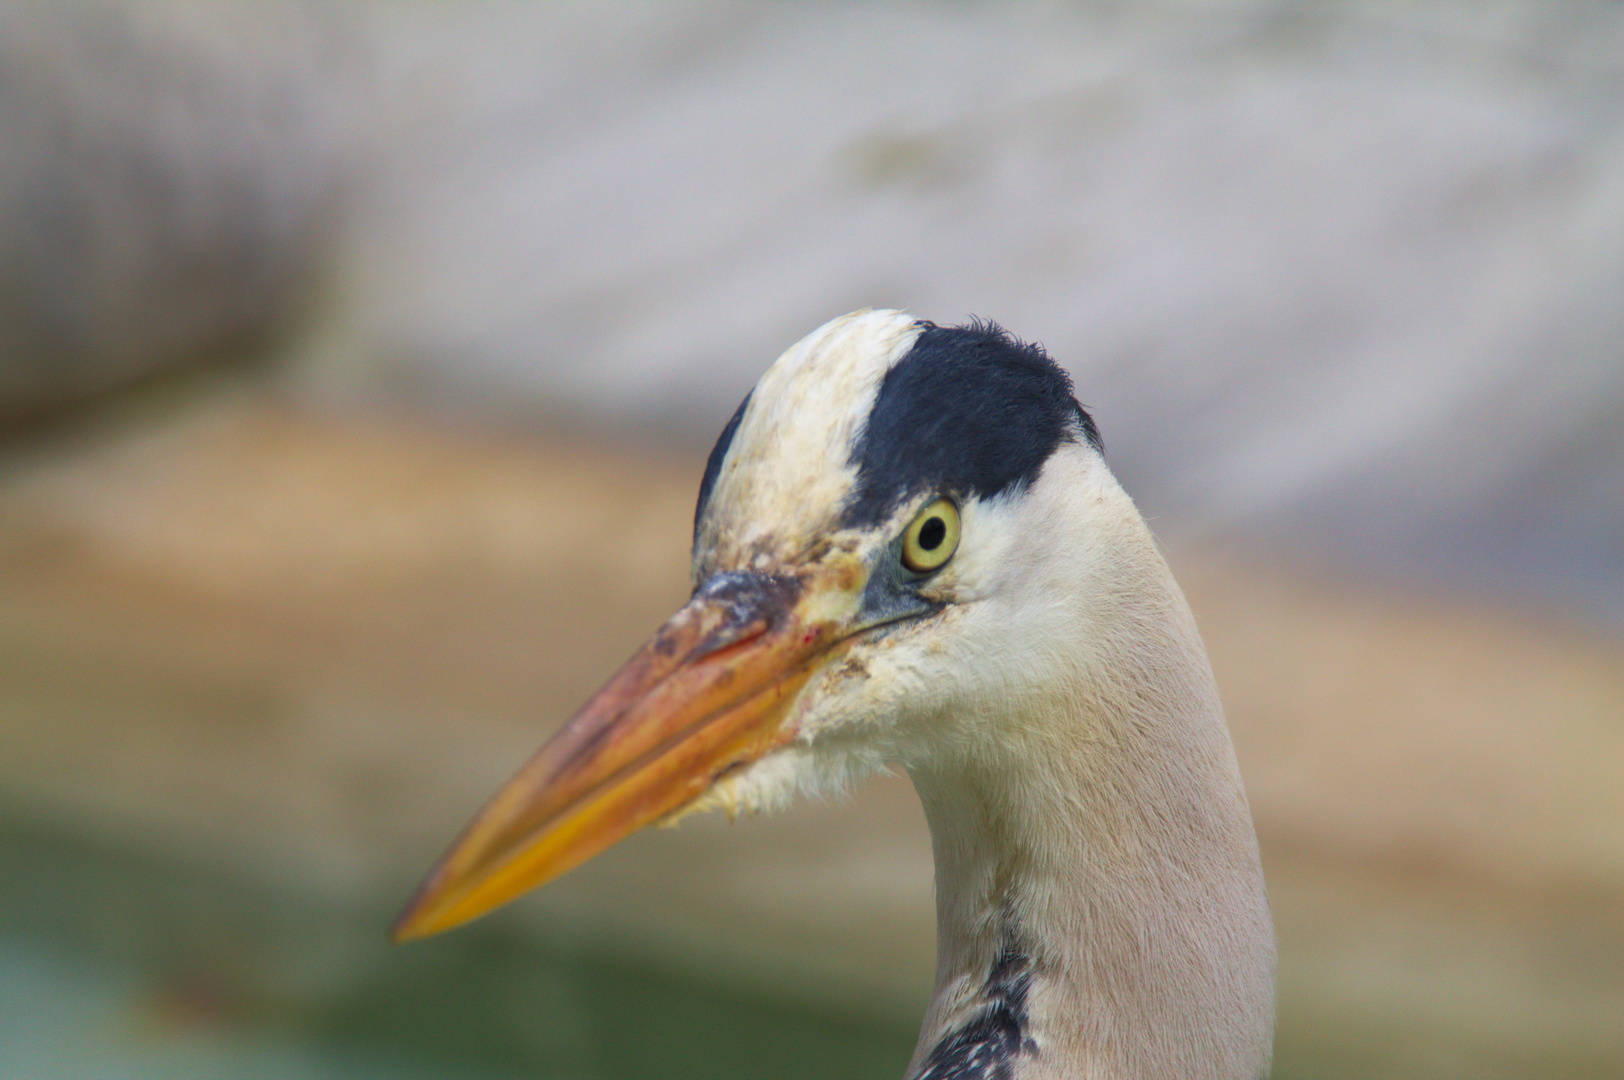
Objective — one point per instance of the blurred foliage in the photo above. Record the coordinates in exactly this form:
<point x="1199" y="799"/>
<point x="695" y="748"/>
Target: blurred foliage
<point x="217" y="958"/>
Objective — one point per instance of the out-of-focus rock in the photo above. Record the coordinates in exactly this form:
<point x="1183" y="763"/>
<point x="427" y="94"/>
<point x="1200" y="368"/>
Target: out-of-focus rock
<point x="165" y="174"/>
<point x="1343" y="274"/>
<point x="1346" y="274"/>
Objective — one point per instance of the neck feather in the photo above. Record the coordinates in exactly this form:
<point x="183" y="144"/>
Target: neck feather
<point x="1100" y="903"/>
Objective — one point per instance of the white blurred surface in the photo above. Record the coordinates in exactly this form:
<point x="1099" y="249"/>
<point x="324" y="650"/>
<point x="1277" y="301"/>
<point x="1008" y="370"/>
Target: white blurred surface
<point x="1344" y="279"/>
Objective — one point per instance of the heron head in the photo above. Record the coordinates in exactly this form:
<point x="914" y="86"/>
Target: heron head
<point x="885" y="532"/>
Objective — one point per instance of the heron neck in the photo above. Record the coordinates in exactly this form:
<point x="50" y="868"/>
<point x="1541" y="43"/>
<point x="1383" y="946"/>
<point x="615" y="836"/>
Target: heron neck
<point x="1100" y="903"/>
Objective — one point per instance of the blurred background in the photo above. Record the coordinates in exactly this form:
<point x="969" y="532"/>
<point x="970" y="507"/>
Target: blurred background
<point x="358" y="363"/>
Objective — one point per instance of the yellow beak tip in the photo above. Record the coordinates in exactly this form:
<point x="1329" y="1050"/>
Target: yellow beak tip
<point x="423" y="920"/>
<point x="409" y="928"/>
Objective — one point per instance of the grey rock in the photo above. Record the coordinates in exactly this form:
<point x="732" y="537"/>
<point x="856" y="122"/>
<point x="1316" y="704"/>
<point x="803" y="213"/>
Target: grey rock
<point x="165" y="176"/>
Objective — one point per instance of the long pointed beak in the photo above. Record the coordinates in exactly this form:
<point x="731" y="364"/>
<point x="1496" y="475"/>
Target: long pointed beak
<point x="707" y="694"/>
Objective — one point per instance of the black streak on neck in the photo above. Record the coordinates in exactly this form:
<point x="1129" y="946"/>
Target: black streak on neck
<point x="987" y="1046"/>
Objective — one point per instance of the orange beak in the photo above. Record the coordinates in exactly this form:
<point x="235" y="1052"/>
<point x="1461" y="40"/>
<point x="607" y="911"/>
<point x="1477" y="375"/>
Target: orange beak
<point x="707" y="694"/>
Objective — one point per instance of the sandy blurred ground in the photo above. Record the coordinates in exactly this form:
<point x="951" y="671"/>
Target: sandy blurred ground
<point x="301" y="648"/>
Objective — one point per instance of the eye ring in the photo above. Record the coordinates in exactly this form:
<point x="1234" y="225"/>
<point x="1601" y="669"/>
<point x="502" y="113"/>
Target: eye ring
<point x="931" y="538"/>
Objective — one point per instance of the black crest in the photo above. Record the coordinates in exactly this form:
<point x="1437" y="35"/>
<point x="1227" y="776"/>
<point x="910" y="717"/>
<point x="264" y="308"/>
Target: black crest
<point x="969" y="410"/>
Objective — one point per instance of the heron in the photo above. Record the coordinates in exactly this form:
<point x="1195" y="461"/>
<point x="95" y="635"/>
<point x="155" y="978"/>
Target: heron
<point x="909" y="551"/>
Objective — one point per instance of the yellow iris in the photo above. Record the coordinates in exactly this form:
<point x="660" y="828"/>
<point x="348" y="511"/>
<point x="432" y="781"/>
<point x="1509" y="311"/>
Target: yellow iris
<point x="931" y="538"/>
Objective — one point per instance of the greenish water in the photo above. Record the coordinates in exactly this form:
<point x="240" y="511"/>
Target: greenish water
<point x="121" y="965"/>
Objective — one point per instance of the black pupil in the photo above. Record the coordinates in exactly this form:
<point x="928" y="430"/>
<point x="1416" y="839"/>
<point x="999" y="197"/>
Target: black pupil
<point x="932" y="533"/>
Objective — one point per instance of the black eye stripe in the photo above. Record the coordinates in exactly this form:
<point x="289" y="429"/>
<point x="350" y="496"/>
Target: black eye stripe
<point x="969" y="410"/>
<point x="713" y="465"/>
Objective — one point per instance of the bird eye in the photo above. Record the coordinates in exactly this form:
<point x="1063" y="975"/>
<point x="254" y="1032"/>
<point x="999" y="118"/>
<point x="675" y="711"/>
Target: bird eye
<point x="932" y="537"/>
